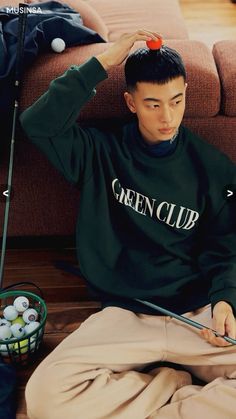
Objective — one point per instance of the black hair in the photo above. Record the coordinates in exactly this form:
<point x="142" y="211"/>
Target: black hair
<point x="153" y="66"/>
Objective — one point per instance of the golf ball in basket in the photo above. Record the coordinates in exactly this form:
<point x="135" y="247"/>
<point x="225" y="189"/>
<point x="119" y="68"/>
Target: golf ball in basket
<point x="31" y="327"/>
<point x="58" y="45"/>
<point x="21" y="346"/>
<point x="18" y="320"/>
<point x="5" y="322"/>
<point x="17" y="330"/>
<point x="24" y="346"/>
<point x="5" y="348"/>
<point x="10" y="313"/>
<point x="30" y="315"/>
<point x="21" y="304"/>
<point x="5" y="332"/>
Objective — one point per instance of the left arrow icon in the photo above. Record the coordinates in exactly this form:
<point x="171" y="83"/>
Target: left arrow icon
<point x="6" y="193"/>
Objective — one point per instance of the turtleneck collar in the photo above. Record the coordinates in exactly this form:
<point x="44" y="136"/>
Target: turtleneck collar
<point x="161" y="149"/>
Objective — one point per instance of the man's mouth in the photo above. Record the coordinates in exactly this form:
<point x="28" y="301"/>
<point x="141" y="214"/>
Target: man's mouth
<point x="167" y="131"/>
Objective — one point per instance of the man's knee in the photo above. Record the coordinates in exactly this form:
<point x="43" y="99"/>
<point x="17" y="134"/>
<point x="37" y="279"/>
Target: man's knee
<point x="40" y="391"/>
<point x="52" y="386"/>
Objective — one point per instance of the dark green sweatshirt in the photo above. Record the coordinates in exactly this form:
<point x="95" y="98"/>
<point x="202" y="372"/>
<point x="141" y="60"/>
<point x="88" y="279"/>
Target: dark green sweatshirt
<point x="149" y="227"/>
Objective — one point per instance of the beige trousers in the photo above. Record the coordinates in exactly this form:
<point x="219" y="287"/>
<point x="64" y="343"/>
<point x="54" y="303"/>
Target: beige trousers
<point x="96" y="372"/>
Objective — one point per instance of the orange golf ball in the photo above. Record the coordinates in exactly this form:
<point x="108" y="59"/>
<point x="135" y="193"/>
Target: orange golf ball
<point x="154" y="44"/>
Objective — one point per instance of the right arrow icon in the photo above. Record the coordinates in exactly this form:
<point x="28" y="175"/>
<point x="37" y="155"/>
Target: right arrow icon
<point x="229" y="192"/>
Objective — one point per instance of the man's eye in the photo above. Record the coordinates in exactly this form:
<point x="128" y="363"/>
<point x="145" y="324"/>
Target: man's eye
<point x="178" y="101"/>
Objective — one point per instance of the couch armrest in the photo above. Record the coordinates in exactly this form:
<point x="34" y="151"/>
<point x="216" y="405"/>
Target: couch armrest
<point x="224" y="53"/>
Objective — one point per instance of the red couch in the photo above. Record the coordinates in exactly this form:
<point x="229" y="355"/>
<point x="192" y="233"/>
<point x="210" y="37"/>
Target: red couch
<point x="44" y="204"/>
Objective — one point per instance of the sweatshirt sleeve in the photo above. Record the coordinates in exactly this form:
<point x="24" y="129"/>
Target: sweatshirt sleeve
<point x="51" y="124"/>
<point x="218" y="257"/>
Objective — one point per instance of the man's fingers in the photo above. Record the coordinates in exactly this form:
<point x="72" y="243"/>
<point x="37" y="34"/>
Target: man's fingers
<point x="210" y="337"/>
<point x="230" y="326"/>
<point x="146" y="35"/>
<point x="225" y="324"/>
<point x="219" y="323"/>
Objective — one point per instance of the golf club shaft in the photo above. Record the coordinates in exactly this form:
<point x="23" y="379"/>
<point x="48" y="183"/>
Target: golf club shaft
<point x="18" y="70"/>
<point x="184" y="319"/>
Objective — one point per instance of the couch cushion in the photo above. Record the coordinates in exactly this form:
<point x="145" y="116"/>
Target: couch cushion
<point x="129" y="15"/>
<point x="225" y="57"/>
<point x="90" y="17"/>
<point x="203" y="93"/>
<point x="219" y="131"/>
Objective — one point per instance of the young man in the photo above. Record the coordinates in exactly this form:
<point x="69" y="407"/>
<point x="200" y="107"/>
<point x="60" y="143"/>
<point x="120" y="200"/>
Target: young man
<point x="152" y="225"/>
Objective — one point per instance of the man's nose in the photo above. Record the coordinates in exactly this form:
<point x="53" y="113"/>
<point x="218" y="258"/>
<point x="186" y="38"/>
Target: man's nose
<point x="166" y="115"/>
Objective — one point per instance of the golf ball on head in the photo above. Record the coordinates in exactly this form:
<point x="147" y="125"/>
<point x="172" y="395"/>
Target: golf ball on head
<point x="151" y="44"/>
<point x="30" y="315"/>
<point x="17" y="330"/>
<point x="5" y="332"/>
<point x="10" y="313"/>
<point x="58" y="45"/>
<point x="21" y="304"/>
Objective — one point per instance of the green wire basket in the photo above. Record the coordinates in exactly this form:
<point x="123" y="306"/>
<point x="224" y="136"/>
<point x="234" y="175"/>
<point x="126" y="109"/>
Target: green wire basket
<point x="19" y="351"/>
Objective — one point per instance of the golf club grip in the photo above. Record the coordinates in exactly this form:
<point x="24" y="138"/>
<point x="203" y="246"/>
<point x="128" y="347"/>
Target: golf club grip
<point x="20" y="41"/>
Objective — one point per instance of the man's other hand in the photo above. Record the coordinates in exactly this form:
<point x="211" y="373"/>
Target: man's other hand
<point x="223" y="322"/>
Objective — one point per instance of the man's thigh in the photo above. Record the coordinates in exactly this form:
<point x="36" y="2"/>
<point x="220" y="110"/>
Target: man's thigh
<point x="117" y="338"/>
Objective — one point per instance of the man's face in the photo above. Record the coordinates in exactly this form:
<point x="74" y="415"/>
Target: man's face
<point x="159" y="108"/>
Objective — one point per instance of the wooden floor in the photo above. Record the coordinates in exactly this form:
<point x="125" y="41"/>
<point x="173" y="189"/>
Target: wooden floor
<point x="209" y="21"/>
<point x="66" y="295"/>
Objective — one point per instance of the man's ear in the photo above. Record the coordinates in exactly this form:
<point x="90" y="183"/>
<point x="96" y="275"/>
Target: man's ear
<point x="130" y="102"/>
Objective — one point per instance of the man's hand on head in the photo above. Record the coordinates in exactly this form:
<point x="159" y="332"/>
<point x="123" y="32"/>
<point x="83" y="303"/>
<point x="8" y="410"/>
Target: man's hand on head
<point x="119" y="51"/>
<point x="223" y="322"/>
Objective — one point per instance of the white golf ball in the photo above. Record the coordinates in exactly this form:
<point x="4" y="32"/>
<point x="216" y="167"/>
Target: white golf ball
<point x="32" y="345"/>
<point x="10" y="313"/>
<point x="21" y="304"/>
<point x="58" y="45"/>
<point x="31" y="327"/>
<point x="17" y="330"/>
<point x="5" y="332"/>
<point x="30" y="315"/>
<point x="5" y="322"/>
<point x="5" y="348"/>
